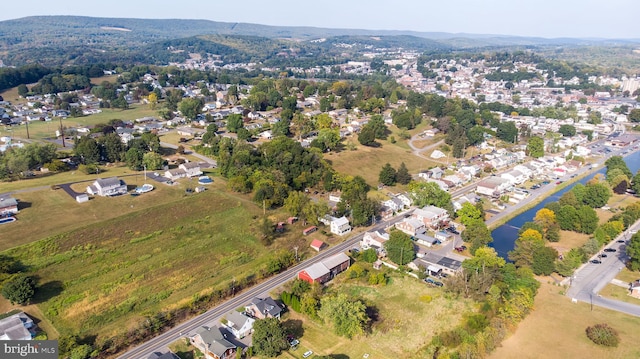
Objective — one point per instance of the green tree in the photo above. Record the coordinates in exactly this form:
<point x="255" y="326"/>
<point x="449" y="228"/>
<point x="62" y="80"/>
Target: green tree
<point x="567" y="130"/>
<point x="367" y="136"/>
<point x="535" y="147"/>
<point x="269" y="337"/>
<point x="347" y="316"/>
<point x="387" y="175"/>
<point x="633" y="251"/>
<point x="469" y="213"/>
<point x="399" y="248"/>
<point x="134" y="158"/>
<point x="295" y="202"/>
<point x="87" y="149"/>
<point x="544" y="260"/>
<point x="234" y="123"/>
<point x="428" y="193"/>
<point x="476" y="233"/>
<point x="525" y="246"/>
<point x="23" y="90"/>
<point x="617" y="162"/>
<point x="403" y="176"/>
<point x="596" y="195"/>
<point x="507" y="131"/>
<point x="111" y="146"/>
<point x="19" y="289"/>
<point x="314" y="210"/>
<point x="152" y="160"/>
<point x="243" y="134"/>
<point x="634" y="115"/>
<point x="190" y="107"/>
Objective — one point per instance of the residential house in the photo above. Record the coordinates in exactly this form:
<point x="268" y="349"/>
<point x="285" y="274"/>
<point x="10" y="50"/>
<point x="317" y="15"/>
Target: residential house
<point x="340" y="226"/>
<point x="634" y="288"/>
<point x="448" y="265"/>
<point x="112" y="186"/>
<point x="239" y="324"/>
<point x="427" y="240"/>
<point x="411" y="226"/>
<point x="431" y="216"/>
<point x="213" y="344"/>
<point x="493" y="186"/>
<point x="326" y="269"/>
<point x="8" y="206"/>
<point x="262" y="308"/>
<point x="17" y="327"/>
<point x="394" y="203"/>
<point x="175" y="174"/>
<point x="191" y="169"/>
<point x="514" y="177"/>
<point x="374" y="240"/>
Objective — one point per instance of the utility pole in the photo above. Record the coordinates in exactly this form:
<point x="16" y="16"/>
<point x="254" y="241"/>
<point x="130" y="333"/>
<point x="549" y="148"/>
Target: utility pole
<point x="296" y="249"/>
<point x="62" y="132"/>
<point x="27" y="124"/>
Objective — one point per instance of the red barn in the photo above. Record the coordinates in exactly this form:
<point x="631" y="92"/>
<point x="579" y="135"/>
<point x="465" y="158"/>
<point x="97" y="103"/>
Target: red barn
<point x="326" y="269"/>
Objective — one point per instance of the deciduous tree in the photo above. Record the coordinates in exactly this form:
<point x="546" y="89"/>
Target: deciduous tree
<point x="269" y="337"/>
<point x="347" y="316"/>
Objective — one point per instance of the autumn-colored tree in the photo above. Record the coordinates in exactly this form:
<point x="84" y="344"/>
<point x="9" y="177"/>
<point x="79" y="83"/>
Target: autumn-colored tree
<point x="546" y="218"/>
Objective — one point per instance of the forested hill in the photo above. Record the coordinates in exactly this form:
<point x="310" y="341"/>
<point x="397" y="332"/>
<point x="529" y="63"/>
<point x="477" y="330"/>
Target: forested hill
<point x="69" y="40"/>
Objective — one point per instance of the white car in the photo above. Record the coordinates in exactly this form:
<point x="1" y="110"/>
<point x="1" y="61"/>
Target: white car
<point x="307" y="354"/>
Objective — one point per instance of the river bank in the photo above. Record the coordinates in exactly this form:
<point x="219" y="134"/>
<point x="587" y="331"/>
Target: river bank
<point x="505" y="229"/>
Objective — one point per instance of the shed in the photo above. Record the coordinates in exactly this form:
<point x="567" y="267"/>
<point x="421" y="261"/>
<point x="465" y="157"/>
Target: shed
<point x="317" y="244"/>
<point x="81" y="198"/>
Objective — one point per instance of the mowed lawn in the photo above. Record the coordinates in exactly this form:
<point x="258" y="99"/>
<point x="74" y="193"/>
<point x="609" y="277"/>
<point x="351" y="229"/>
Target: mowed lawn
<point x="102" y="278"/>
<point x="407" y="320"/>
<point x="45" y="212"/>
<point x="42" y="129"/>
<point x="556" y="329"/>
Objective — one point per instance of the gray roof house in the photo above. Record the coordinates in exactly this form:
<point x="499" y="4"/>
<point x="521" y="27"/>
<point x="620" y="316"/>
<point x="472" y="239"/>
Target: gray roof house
<point x="239" y="324"/>
<point x="111" y="186"/>
<point x="264" y="308"/>
<point x="213" y="344"/>
<point x="17" y="327"/>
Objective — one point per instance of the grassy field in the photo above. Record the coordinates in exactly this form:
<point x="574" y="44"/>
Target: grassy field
<point x="407" y="320"/>
<point x="618" y="293"/>
<point x="134" y="260"/>
<point x="370" y="160"/>
<point x="45" y="212"/>
<point x="556" y="329"/>
<point x="41" y="129"/>
<point x="568" y="240"/>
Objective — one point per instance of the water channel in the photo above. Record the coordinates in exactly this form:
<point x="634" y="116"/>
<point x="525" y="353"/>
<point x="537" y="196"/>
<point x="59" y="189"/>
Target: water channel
<point x="504" y="237"/>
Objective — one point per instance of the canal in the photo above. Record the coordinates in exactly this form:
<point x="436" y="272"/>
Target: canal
<point x="504" y="237"/>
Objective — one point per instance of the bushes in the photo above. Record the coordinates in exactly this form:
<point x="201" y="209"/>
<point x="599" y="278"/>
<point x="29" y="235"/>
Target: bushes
<point x="603" y="334"/>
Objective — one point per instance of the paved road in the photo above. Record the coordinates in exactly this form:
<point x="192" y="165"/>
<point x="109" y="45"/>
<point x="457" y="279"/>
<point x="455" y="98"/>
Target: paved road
<point x="590" y="278"/>
<point x="212" y="316"/>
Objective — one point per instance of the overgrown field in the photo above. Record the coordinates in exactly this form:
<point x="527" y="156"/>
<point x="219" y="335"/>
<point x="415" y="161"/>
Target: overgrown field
<point x="409" y="313"/>
<point x="103" y="278"/>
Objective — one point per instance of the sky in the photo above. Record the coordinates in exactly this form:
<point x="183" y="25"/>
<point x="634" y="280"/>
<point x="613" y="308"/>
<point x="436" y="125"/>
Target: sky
<point x="536" y="18"/>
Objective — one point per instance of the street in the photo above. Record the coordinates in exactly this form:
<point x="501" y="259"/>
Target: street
<point x="590" y="278"/>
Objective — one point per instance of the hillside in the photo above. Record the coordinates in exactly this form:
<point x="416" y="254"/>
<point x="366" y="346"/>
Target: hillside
<point x="64" y="40"/>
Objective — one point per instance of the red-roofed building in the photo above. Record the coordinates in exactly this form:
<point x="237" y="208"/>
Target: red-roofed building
<point x="317" y="245"/>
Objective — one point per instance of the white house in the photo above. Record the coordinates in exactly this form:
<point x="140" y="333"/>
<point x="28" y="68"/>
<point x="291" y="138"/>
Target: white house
<point x="492" y="186"/>
<point x="191" y="169"/>
<point x="175" y="174"/>
<point x="112" y="186"/>
<point x="238" y="324"/>
<point x="8" y="206"/>
<point x="431" y="216"/>
<point x="374" y="240"/>
<point x="340" y="226"/>
<point x="514" y="177"/>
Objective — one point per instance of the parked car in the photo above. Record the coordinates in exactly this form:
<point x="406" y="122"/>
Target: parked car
<point x="610" y="250"/>
<point x="294" y="342"/>
<point x="595" y="261"/>
<point x="620" y="241"/>
<point x="602" y="255"/>
<point x="433" y="282"/>
<point x="307" y="354"/>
